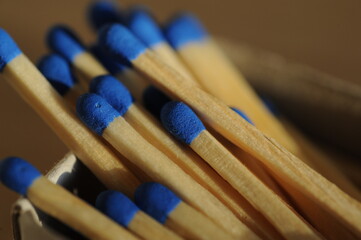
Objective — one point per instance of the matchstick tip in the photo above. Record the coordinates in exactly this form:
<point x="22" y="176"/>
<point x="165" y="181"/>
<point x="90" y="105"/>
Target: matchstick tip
<point x="95" y="112"/>
<point x="156" y="200"/>
<point x="57" y="70"/>
<point x="120" y="43"/>
<point x="154" y="99"/>
<point x="17" y="174"/>
<point x="8" y="49"/>
<point x="142" y="24"/>
<point x="113" y="91"/>
<point x="183" y="29"/>
<point x="64" y="42"/>
<point x="102" y="13"/>
<point x="181" y="121"/>
<point x="116" y="206"/>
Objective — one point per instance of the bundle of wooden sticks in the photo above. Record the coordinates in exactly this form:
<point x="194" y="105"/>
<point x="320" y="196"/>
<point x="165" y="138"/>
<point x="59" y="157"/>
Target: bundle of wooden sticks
<point x="183" y="143"/>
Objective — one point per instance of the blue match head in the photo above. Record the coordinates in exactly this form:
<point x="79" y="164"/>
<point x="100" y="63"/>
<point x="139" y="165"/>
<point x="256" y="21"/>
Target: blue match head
<point x="141" y="23"/>
<point x="102" y="13"/>
<point x="8" y="49"/>
<point x="117" y="206"/>
<point x="120" y="43"/>
<point x="64" y="42"/>
<point x="113" y="91"/>
<point x="17" y="174"/>
<point x="114" y="67"/>
<point x="154" y="99"/>
<point x="184" y="29"/>
<point x="181" y="121"/>
<point x="95" y="112"/>
<point x="57" y="70"/>
<point x="156" y="200"/>
<point x="242" y="114"/>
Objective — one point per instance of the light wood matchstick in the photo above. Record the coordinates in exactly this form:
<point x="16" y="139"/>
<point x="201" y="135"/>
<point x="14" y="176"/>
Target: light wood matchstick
<point x="22" y="177"/>
<point x="57" y="70"/>
<point x="123" y="211"/>
<point x="64" y="42"/>
<point x="167" y="208"/>
<point x="141" y="23"/>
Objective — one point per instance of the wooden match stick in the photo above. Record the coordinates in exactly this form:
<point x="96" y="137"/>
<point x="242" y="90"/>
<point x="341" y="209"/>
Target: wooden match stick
<point x="103" y="119"/>
<point x="23" y="178"/>
<point x="217" y="75"/>
<point x="64" y="42"/>
<point x="184" y="124"/>
<point x="288" y="169"/>
<point x="57" y="71"/>
<point x="141" y="23"/>
<point x="120" y="99"/>
<point x="123" y="211"/>
<point x="167" y="208"/>
<point x="37" y="91"/>
<point x="252" y="164"/>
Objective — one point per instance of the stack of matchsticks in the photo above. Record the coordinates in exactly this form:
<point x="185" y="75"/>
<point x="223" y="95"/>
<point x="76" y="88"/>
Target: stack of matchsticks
<point x="185" y="146"/>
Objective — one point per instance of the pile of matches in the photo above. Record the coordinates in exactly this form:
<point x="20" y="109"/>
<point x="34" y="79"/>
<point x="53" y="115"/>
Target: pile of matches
<point x="183" y="143"/>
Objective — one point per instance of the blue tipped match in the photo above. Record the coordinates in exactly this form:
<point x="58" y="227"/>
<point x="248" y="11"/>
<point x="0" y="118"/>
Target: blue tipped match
<point x="64" y="42"/>
<point x="117" y="206"/>
<point x="120" y="43"/>
<point x="184" y="29"/>
<point x="57" y="70"/>
<point x="114" y="92"/>
<point x="8" y="49"/>
<point x="95" y="112"/>
<point x="154" y="100"/>
<point x="181" y="121"/>
<point x="112" y="66"/>
<point x="156" y="200"/>
<point x="144" y="27"/>
<point x="242" y="114"/>
<point x="102" y="13"/>
<point x="17" y="174"/>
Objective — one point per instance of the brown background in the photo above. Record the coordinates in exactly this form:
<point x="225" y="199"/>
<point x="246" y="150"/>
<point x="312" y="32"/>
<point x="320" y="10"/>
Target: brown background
<point x="321" y="33"/>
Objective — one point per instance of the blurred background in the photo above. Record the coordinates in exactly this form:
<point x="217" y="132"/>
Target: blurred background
<point x="323" y="34"/>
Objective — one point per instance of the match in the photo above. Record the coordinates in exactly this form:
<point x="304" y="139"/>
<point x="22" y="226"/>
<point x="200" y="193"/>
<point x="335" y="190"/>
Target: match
<point x="23" y="178"/>
<point x="168" y="209"/>
<point x="123" y="211"/>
